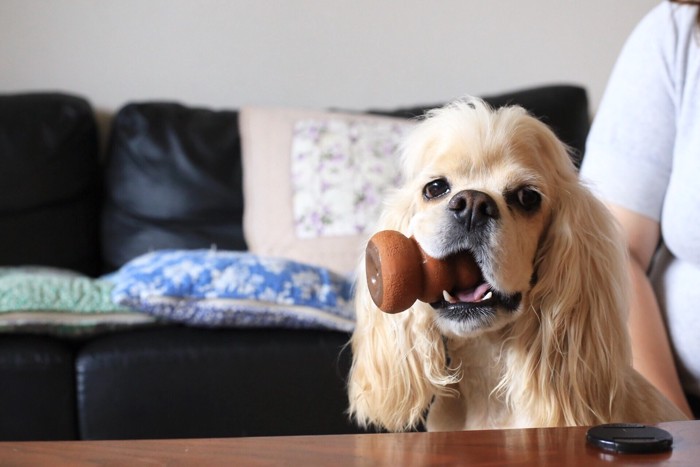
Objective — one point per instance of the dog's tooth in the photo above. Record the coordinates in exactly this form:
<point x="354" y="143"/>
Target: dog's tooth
<point x="448" y="298"/>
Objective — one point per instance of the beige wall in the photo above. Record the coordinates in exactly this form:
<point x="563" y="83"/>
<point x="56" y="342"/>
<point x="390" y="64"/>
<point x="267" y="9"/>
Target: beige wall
<point x="311" y="53"/>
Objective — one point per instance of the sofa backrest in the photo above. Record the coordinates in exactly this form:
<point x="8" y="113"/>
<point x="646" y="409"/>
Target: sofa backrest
<point x="172" y="180"/>
<point x="172" y="175"/>
<point x="49" y="182"/>
<point x="563" y="107"/>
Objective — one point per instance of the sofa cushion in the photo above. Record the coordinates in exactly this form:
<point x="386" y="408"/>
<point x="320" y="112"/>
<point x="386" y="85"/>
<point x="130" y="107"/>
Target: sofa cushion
<point x="49" y="182"/>
<point x="37" y="389"/>
<point x="234" y="289"/>
<point x="314" y="181"/>
<point x="173" y="180"/>
<point x="178" y="382"/>
<point x="563" y="107"/>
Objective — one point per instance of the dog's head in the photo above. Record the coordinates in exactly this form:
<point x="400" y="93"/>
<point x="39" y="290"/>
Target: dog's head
<point x="484" y="182"/>
<point x="499" y="185"/>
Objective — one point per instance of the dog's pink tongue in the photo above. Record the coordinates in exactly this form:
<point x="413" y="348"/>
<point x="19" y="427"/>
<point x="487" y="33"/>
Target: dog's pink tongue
<point x="473" y="295"/>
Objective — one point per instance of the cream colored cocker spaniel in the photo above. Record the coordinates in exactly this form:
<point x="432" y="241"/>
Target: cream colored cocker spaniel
<point x="542" y="340"/>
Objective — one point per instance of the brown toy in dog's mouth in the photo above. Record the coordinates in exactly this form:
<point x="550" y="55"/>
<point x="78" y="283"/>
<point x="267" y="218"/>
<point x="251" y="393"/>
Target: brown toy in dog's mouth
<point x="399" y="272"/>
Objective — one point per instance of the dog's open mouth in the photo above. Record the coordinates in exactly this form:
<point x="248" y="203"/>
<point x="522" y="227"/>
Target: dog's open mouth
<point x="465" y="300"/>
<point x="482" y="293"/>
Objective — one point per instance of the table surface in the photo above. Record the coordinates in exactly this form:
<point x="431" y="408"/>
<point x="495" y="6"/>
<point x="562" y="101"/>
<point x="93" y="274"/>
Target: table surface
<point x="537" y="446"/>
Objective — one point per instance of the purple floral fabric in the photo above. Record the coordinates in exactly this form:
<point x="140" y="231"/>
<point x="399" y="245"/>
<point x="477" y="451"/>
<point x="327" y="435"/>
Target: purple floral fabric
<point x="340" y="171"/>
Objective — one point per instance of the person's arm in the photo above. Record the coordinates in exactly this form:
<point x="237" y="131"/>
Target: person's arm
<point x="651" y="349"/>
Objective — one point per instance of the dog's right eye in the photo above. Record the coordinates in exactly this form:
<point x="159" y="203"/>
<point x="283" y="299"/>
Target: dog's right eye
<point x="436" y="188"/>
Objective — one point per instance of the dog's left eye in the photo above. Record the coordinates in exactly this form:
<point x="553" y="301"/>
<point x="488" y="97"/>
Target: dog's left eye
<point x="436" y="188"/>
<point x="528" y="198"/>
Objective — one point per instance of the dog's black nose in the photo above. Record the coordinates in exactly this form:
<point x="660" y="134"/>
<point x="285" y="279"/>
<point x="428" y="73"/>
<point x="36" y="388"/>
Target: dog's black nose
<point x="473" y="208"/>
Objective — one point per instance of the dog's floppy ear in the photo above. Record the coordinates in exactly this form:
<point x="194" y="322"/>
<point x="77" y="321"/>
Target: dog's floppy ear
<point x="579" y="343"/>
<point x="398" y="359"/>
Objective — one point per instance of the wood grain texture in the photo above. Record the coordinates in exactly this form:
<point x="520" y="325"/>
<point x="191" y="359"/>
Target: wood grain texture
<point x="540" y="446"/>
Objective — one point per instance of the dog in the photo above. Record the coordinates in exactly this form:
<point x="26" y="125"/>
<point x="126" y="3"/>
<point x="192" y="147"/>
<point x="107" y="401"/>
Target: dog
<point x="542" y="340"/>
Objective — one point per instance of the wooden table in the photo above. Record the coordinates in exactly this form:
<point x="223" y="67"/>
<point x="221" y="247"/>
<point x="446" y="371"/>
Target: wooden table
<point x="541" y="447"/>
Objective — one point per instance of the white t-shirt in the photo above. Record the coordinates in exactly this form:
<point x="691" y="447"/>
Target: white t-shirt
<point x="643" y="153"/>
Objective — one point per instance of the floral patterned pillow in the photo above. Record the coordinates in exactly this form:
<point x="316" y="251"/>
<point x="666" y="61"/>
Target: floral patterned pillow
<point x="340" y="170"/>
<point x="314" y="181"/>
<point x="234" y="289"/>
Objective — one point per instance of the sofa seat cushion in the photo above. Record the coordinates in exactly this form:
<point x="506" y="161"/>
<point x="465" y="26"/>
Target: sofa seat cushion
<point x="37" y="389"/>
<point x="178" y="382"/>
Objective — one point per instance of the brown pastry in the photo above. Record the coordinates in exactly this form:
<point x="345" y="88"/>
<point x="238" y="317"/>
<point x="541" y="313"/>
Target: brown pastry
<point x="399" y="272"/>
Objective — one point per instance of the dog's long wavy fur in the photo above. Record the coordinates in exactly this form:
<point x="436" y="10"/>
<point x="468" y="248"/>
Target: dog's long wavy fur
<point x="565" y="360"/>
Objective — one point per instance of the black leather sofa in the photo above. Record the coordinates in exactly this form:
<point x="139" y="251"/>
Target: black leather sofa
<point x="169" y="178"/>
